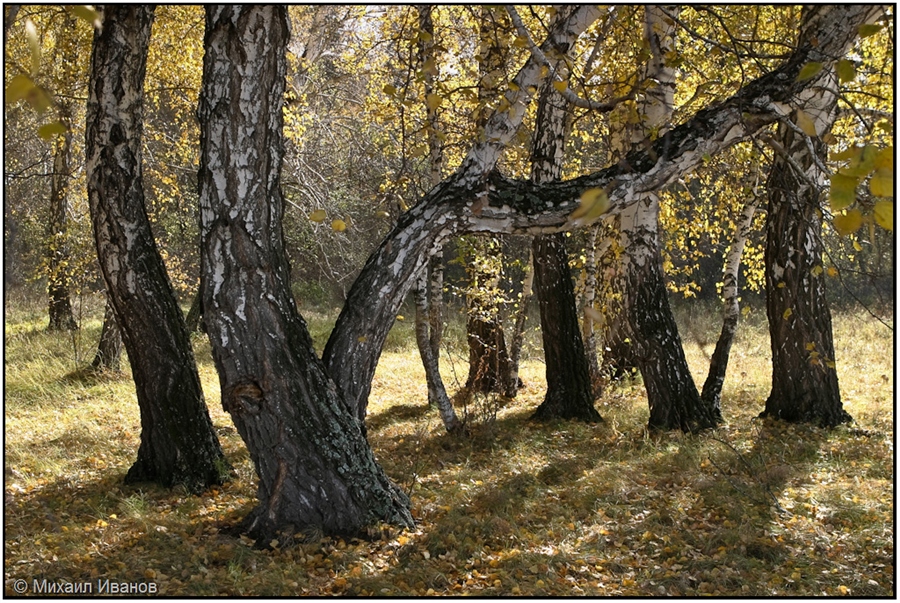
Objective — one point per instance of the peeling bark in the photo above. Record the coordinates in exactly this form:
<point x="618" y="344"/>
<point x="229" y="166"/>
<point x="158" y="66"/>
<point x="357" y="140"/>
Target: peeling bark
<point x="569" y="392"/>
<point x="316" y="471"/>
<point x="437" y="394"/>
<point x="804" y="379"/>
<point x="178" y="444"/>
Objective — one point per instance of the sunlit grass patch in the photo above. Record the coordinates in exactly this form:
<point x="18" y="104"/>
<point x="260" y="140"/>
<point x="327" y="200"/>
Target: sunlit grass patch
<point x="753" y="508"/>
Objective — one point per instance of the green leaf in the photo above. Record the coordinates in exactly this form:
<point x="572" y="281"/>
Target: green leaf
<point x="843" y="191"/>
<point x="884" y="214"/>
<point x="50" y="131"/>
<point x="848" y="223"/>
<point x="869" y="29"/>
<point x="846" y="71"/>
<point x="809" y="70"/>
<point x="846" y="154"/>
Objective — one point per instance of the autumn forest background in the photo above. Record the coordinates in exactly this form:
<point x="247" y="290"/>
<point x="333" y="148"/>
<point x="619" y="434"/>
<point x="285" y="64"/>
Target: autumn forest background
<point x="515" y="416"/>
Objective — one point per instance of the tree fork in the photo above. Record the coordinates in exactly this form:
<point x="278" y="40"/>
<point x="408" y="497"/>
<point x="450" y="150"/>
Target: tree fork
<point x="317" y="473"/>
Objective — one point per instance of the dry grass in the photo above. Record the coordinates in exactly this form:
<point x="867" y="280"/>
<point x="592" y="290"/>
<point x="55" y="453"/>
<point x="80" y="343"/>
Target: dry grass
<point x="753" y="508"/>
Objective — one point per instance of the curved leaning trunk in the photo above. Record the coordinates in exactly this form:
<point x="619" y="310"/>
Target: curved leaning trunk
<point x="515" y="206"/>
<point x="718" y="364"/>
<point x="316" y="471"/>
<point x="178" y="443"/>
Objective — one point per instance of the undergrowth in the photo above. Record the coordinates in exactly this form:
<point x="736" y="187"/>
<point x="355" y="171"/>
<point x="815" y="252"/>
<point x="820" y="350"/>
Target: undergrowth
<point x="753" y="508"/>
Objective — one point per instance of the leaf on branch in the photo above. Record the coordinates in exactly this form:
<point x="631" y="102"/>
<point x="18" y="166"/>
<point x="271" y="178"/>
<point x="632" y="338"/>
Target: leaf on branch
<point x="809" y="70"/>
<point x="882" y="183"/>
<point x="846" y="71"/>
<point x="87" y="13"/>
<point x="433" y="101"/>
<point x="50" y="131"/>
<point x="18" y="88"/>
<point x="560" y="86"/>
<point x="848" y="223"/>
<point x="389" y="90"/>
<point x="843" y="191"/>
<point x="869" y="29"/>
<point x="318" y="216"/>
<point x="884" y="214"/>
<point x="806" y="123"/>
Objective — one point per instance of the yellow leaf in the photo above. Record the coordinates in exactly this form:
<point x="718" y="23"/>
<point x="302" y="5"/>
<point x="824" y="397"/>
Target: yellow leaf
<point x="866" y="30"/>
<point x="816" y="271"/>
<point x="843" y="191"/>
<point x="882" y="183"/>
<point x="338" y="225"/>
<point x="382" y="214"/>
<point x="560" y="86"/>
<point x="846" y="71"/>
<point x="806" y="123"/>
<point x="832" y="271"/>
<point x="809" y="70"/>
<point x="433" y="101"/>
<point x="402" y="540"/>
<point x="787" y="314"/>
<point x="86" y="12"/>
<point x="848" y="223"/>
<point x="401" y="317"/>
<point x="274" y="543"/>
<point x="18" y="88"/>
<point x="594" y="202"/>
<point x="318" y="216"/>
<point x="884" y="214"/>
<point x="389" y="90"/>
<point x="884" y="158"/>
<point x="810" y="346"/>
<point x="846" y="154"/>
<point x="50" y="131"/>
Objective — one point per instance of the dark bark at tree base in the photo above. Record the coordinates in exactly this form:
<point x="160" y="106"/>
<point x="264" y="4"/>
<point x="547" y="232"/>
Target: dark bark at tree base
<point x="674" y="400"/>
<point x="109" y="349"/>
<point x="178" y="443"/>
<point x="569" y="393"/>
<point x="60" y="310"/>
<point x="317" y="473"/>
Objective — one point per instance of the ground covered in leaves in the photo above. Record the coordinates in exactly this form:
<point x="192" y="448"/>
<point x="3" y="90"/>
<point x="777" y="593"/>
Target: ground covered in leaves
<point x="754" y="508"/>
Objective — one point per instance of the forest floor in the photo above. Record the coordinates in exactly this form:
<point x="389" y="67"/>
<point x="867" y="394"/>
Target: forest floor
<point x="753" y="508"/>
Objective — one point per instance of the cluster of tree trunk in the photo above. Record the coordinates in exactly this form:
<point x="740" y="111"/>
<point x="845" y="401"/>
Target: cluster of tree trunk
<point x="301" y="416"/>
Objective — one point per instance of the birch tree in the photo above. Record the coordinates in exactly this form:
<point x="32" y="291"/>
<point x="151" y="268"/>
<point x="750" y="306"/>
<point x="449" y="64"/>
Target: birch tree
<point x="178" y="444"/>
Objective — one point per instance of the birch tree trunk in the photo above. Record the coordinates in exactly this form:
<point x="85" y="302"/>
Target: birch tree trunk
<point x="804" y="379"/>
<point x="316" y="471"/>
<point x="718" y="364"/>
<point x="517" y="206"/>
<point x="569" y="392"/>
<point x="429" y="295"/>
<point x="178" y="444"/>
